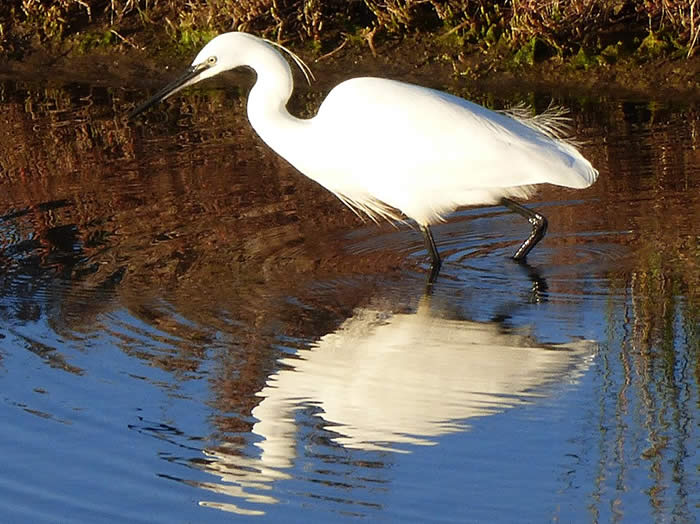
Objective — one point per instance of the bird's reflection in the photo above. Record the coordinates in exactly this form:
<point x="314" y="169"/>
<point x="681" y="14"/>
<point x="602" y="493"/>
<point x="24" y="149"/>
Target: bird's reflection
<point x="389" y="381"/>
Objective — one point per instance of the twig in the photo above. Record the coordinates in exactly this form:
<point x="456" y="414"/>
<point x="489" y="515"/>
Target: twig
<point x="694" y="30"/>
<point x="125" y="40"/>
<point x="330" y="54"/>
<point x="370" y="40"/>
<point x="456" y="28"/>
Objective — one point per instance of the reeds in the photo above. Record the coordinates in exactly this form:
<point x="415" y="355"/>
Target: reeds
<point x="565" y="27"/>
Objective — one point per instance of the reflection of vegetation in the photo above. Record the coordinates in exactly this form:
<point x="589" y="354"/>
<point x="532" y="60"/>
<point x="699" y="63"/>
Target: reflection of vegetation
<point x="563" y="27"/>
<point x="194" y="228"/>
<point x="207" y="211"/>
<point x="124" y="192"/>
<point x="651" y="375"/>
<point x="651" y="370"/>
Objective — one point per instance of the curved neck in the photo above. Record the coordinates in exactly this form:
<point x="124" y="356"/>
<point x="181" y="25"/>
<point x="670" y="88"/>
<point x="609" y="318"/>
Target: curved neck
<point x="268" y="99"/>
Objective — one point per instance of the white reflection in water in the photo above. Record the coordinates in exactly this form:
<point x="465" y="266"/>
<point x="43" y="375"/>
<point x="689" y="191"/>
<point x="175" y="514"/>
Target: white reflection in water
<point x="383" y="379"/>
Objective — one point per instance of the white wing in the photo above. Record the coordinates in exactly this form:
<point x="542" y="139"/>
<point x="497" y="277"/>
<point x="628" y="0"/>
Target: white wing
<point x="427" y="152"/>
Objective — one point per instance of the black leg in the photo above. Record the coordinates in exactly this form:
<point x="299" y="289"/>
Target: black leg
<point x="436" y="262"/>
<point x="539" y="227"/>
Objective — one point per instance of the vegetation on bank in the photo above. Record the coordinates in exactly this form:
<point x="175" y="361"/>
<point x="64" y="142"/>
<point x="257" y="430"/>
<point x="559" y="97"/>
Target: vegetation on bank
<point x="588" y="31"/>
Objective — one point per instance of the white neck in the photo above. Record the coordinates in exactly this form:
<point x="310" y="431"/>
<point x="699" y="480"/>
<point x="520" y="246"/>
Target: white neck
<point x="267" y="103"/>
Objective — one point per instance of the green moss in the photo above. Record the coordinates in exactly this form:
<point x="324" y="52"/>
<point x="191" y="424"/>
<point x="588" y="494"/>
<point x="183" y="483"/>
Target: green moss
<point x="315" y="46"/>
<point x="493" y="34"/>
<point x="187" y="36"/>
<point x="583" y="60"/>
<point x="190" y="38"/>
<point x="652" y="46"/>
<point x="530" y="53"/>
<point x="94" y="40"/>
<point x="611" y="53"/>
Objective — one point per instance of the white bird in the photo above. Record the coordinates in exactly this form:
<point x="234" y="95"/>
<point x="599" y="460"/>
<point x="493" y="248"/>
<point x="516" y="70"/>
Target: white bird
<point x="388" y="148"/>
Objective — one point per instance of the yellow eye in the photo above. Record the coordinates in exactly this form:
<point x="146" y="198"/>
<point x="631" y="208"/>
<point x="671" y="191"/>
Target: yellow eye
<point x="211" y="60"/>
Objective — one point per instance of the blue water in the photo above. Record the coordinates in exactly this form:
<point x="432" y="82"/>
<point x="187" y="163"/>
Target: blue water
<point x="190" y="331"/>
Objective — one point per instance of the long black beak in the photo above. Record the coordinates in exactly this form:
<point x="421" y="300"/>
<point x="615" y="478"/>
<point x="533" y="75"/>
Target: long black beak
<point x="172" y="88"/>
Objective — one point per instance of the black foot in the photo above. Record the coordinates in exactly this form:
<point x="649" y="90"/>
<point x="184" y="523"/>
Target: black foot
<point x="539" y="227"/>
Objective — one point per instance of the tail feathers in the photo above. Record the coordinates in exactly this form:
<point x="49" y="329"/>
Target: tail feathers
<point x="554" y="122"/>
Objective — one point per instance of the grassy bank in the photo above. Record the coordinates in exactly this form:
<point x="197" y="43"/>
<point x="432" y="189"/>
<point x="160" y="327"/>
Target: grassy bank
<point x="587" y="31"/>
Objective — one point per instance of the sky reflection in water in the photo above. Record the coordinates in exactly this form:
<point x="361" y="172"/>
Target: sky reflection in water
<point x="186" y="324"/>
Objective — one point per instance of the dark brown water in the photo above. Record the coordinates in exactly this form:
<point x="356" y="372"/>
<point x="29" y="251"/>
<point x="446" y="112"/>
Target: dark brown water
<point x="189" y="328"/>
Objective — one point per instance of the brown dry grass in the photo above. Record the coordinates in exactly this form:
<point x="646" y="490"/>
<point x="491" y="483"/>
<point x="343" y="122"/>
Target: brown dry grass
<point x="563" y="26"/>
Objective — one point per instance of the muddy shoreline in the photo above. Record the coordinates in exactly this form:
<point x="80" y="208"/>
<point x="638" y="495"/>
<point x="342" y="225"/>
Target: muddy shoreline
<point x="414" y="59"/>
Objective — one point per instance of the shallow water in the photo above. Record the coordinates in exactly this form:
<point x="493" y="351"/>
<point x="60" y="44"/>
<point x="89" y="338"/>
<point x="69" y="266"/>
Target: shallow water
<point x="190" y="329"/>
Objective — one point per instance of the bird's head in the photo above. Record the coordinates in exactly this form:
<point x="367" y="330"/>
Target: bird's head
<point x="223" y="52"/>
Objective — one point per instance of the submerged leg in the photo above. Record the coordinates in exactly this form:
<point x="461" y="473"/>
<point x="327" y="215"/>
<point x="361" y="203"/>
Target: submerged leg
<point x="539" y="227"/>
<point x="436" y="262"/>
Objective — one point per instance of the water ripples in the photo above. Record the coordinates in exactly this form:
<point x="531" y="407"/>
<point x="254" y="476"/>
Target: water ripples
<point x="190" y="328"/>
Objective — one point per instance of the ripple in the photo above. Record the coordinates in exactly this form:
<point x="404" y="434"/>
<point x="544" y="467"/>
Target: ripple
<point x="478" y="250"/>
<point x="188" y="327"/>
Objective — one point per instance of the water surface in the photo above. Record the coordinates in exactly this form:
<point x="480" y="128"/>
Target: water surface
<point x="190" y="331"/>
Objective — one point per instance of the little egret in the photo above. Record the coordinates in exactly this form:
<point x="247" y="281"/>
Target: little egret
<point x="393" y="150"/>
